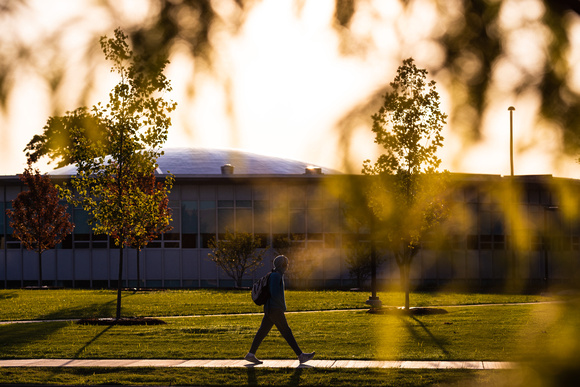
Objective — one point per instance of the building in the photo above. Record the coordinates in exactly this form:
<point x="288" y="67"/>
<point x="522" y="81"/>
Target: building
<point x="217" y="190"/>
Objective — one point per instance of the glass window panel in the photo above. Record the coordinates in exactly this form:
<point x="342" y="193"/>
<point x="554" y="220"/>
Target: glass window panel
<point x="263" y="240"/>
<point x="497" y="223"/>
<point x="280" y="221"/>
<point x="472" y="242"/>
<point x="205" y="238"/>
<point x="175" y="221"/>
<point x="297" y="221"/>
<point x="244" y="203"/>
<point x="498" y="242"/>
<point x="189" y="241"/>
<point x="244" y="192"/>
<point x="315" y="221"/>
<point x="485" y="242"/>
<point x="331" y="220"/>
<point x="262" y="216"/>
<point x="244" y="219"/>
<point x="81" y="221"/>
<point x="189" y="217"/>
<point x="207" y="221"/>
<point x="297" y="197"/>
<point x="225" y="192"/>
<point x="225" y="203"/>
<point x="485" y="222"/>
<point x="66" y="243"/>
<point x="171" y="236"/>
<point x="315" y="236"/>
<point x="225" y="220"/>
<point x="261" y="192"/>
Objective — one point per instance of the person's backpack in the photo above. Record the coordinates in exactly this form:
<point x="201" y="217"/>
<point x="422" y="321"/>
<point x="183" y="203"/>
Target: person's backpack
<point x="261" y="290"/>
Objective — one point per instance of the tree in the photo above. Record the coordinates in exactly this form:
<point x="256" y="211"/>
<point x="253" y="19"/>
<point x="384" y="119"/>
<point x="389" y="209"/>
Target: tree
<point x="39" y="221"/>
<point x="61" y="135"/>
<point x="359" y="262"/>
<point x="113" y="163"/>
<point x="408" y="195"/>
<point x="237" y="254"/>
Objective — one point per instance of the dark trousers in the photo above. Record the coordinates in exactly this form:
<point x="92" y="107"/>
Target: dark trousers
<point x="271" y="318"/>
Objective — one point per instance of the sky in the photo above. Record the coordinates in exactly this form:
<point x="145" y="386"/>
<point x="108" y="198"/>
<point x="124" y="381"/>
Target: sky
<point x="280" y="85"/>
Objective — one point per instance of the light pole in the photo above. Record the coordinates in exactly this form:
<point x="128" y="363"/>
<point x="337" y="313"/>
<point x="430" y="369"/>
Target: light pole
<point x="512" y="237"/>
<point x="511" y="109"/>
<point x="373" y="300"/>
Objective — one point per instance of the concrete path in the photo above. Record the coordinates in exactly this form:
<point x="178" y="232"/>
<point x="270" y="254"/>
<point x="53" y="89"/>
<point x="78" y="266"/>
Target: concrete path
<point x="472" y="365"/>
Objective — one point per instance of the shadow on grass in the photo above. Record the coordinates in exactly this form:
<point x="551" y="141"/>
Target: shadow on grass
<point x="439" y="343"/>
<point x="94" y="310"/>
<point x="16" y="338"/>
<point x="91" y="341"/>
<point x="295" y="378"/>
<point x="422" y="334"/>
<point x="8" y="295"/>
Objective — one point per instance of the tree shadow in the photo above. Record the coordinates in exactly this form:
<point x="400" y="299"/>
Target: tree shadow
<point x="8" y="295"/>
<point x="94" y="310"/>
<point x="91" y="341"/>
<point x="15" y="337"/>
<point x="421" y="337"/>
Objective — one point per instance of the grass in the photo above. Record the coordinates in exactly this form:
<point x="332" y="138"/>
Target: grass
<point x="256" y="377"/>
<point x="471" y="333"/>
<point x="527" y="332"/>
<point x="73" y="303"/>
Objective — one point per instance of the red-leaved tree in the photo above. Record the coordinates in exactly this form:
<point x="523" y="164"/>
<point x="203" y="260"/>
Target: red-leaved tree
<point x="39" y="221"/>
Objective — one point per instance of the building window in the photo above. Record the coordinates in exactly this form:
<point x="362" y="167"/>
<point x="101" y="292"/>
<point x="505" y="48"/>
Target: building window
<point x="207" y="221"/>
<point x="262" y="216"/>
<point x="189" y="219"/>
<point x="82" y="231"/>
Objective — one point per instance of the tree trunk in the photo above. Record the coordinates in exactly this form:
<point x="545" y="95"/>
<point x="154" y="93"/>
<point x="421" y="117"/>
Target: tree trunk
<point x="120" y="282"/>
<point x="404" y="272"/>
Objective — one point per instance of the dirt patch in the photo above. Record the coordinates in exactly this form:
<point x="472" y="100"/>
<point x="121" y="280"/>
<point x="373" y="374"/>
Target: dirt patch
<point x="121" y="321"/>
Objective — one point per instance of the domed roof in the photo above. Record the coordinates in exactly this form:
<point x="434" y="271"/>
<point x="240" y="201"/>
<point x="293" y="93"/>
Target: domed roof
<point x="204" y="161"/>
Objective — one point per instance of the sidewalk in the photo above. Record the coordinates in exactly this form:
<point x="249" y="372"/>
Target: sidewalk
<point x="473" y="365"/>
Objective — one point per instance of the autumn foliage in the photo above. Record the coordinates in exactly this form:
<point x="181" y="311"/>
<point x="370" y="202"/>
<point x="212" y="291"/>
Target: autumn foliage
<point x="39" y="221"/>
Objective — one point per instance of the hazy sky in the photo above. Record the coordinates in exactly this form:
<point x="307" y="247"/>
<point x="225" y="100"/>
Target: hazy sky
<point x="280" y="85"/>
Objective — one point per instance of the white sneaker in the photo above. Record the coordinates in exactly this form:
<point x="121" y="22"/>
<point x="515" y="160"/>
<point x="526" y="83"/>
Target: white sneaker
<point x="304" y="357"/>
<point x="253" y="359"/>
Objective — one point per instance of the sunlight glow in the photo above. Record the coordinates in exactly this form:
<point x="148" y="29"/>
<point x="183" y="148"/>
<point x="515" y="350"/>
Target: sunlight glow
<point x="281" y="84"/>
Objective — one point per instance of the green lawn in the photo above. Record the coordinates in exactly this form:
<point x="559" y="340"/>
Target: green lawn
<point x="258" y="377"/>
<point x="72" y="303"/>
<point x="530" y="332"/>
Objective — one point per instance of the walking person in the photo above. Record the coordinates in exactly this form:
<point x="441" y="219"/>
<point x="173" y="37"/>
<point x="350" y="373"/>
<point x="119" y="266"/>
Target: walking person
<point x="274" y="310"/>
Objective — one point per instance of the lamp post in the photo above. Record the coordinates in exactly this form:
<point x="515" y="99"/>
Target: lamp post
<point x="511" y="110"/>
<point x="512" y="248"/>
<point x="373" y="300"/>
